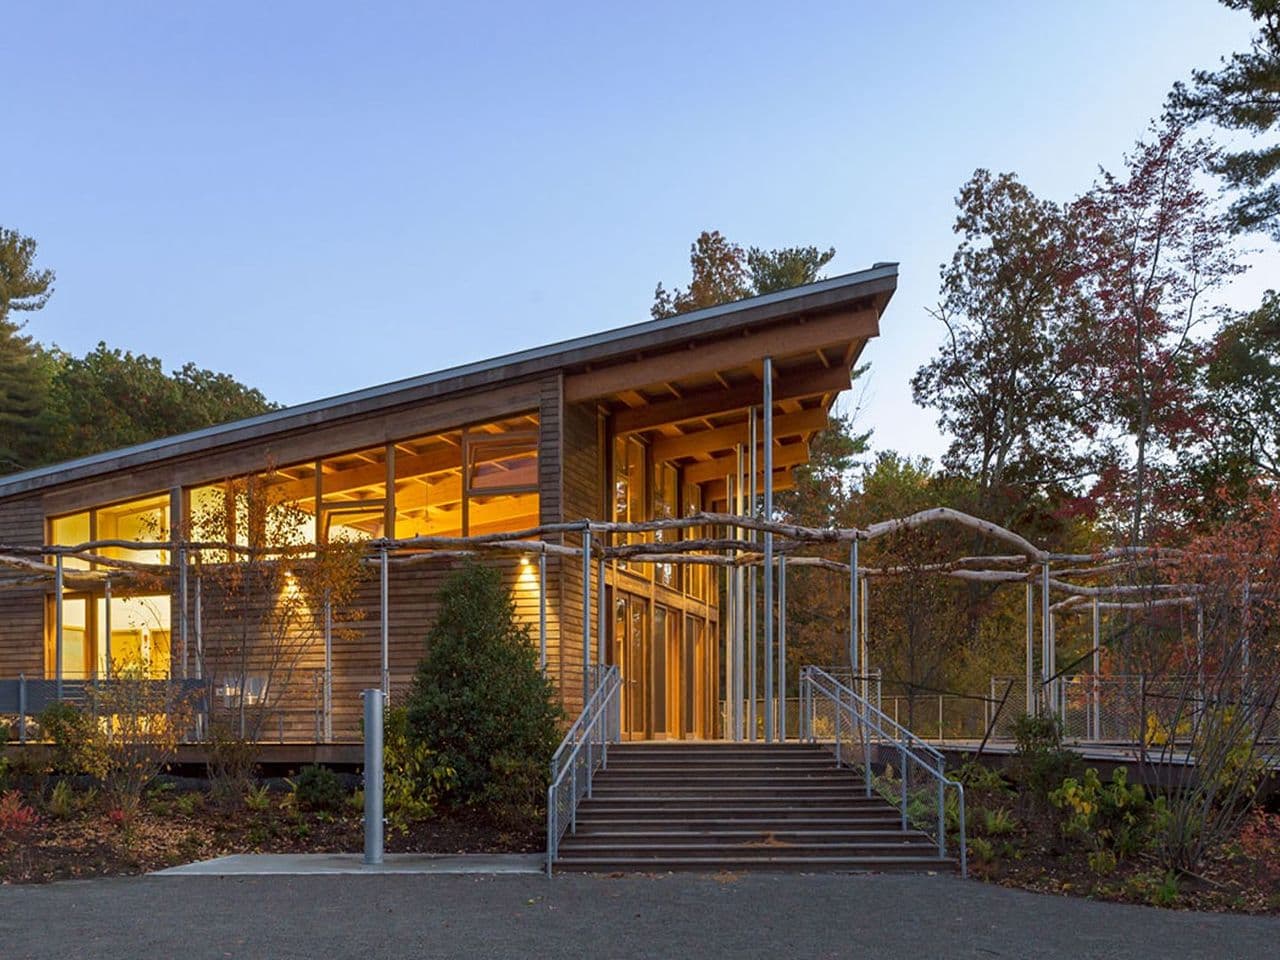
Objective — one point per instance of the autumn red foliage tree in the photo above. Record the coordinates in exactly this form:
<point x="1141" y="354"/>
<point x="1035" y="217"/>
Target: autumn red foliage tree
<point x="1152" y="250"/>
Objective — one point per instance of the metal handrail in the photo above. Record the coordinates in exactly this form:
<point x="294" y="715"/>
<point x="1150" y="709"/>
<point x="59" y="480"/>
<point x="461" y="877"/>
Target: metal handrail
<point x="870" y="721"/>
<point x="588" y="739"/>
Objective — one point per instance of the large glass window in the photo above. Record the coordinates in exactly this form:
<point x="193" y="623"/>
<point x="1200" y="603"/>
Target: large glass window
<point x="501" y="476"/>
<point x="428" y="487"/>
<point x="353" y="490"/>
<point x="145" y="520"/>
<point x="666" y="506"/>
<point x="139" y="629"/>
<point x="629" y="501"/>
<point x="70" y="531"/>
<point x="276" y="507"/>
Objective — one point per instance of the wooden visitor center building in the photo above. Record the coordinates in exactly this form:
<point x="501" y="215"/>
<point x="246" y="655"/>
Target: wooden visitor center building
<point x="642" y="422"/>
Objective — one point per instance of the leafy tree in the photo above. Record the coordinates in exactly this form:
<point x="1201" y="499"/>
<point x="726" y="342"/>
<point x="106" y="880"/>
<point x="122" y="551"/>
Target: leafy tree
<point x="1241" y="445"/>
<point x="24" y="366"/>
<point x="724" y="272"/>
<point x="1152" y="249"/>
<point x="479" y="700"/>
<point x="1244" y="95"/>
<point x="112" y="398"/>
<point x="22" y="286"/>
<point x="1002" y="385"/>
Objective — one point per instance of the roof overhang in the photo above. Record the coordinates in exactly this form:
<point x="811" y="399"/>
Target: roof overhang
<point x="669" y="378"/>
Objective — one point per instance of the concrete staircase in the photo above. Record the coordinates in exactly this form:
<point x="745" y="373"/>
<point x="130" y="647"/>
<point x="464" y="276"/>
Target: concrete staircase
<point x="729" y="806"/>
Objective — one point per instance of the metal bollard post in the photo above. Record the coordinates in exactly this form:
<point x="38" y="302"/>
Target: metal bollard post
<point x="373" y="717"/>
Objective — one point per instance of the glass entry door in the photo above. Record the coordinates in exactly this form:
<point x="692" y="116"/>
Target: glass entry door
<point x="657" y="682"/>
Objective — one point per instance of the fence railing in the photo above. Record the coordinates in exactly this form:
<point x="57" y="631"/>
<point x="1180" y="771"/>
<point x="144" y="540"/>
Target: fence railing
<point x="862" y="734"/>
<point x="25" y="698"/>
<point x="584" y="749"/>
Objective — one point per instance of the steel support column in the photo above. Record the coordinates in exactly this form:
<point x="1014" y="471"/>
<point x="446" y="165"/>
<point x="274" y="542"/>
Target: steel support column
<point x="1096" y="730"/>
<point x="753" y="634"/>
<point x="782" y="648"/>
<point x="586" y="616"/>
<point x="767" y="569"/>
<point x="853" y="612"/>
<point x="106" y="604"/>
<point x="57" y="623"/>
<point x="542" y="611"/>
<point x="383" y="609"/>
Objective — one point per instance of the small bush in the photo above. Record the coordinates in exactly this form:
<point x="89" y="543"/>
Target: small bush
<point x="978" y="776"/>
<point x="79" y="744"/>
<point x="62" y="801"/>
<point x="258" y="798"/>
<point x="1116" y="816"/>
<point x="1102" y="862"/>
<point x="1040" y="761"/>
<point x="318" y="788"/>
<point x="413" y="778"/>
<point x="982" y="849"/>
<point x="16" y="817"/>
<point x="479" y="700"/>
<point x="998" y="822"/>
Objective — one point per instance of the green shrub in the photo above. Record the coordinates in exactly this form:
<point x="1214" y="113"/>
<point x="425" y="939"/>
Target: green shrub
<point x="318" y="788"/>
<point x="1040" y="761"/>
<point x="1116" y="816"/>
<point x="62" y="802"/>
<point x="79" y="744"/>
<point x="982" y="849"/>
<point x="258" y="798"/>
<point x="479" y="700"/>
<point x="976" y="775"/>
<point x="998" y="822"/>
<point x="413" y="778"/>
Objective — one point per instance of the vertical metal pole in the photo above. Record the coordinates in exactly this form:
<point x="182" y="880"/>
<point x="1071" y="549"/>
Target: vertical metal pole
<point x="384" y="602"/>
<point x="1046" y="668"/>
<point x="767" y="569"/>
<point x="181" y="556"/>
<point x="199" y="614"/>
<point x="328" y="666"/>
<point x="586" y="618"/>
<point x="864" y="658"/>
<point x="1031" y="610"/>
<point x="106" y="617"/>
<point x="740" y="576"/>
<point x="854" y="666"/>
<point x="542" y="611"/>
<point x="602" y="653"/>
<point x="1200" y="704"/>
<point x="782" y="648"/>
<point x="753" y="638"/>
<point x="373" y="717"/>
<point x="57" y="623"/>
<point x="1097" y="669"/>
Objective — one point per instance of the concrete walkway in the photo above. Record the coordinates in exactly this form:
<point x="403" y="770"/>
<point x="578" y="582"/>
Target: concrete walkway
<point x="775" y="916"/>
<point x="352" y="864"/>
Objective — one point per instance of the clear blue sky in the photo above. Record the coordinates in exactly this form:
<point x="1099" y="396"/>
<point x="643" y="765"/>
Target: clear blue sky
<point x="318" y="196"/>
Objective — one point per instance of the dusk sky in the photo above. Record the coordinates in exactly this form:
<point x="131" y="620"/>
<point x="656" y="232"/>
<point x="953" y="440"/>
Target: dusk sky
<point x="317" y="197"/>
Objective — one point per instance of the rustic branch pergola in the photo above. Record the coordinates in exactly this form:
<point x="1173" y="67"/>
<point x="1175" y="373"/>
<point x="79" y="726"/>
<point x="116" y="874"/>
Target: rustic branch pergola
<point x="743" y="546"/>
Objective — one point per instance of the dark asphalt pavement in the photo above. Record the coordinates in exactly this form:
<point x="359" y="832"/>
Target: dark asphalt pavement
<point x="329" y="918"/>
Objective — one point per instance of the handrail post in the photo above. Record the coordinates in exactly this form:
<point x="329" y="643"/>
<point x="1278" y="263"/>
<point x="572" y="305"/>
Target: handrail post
<point x="942" y="817"/>
<point x="573" y="794"/>
<point x="551" y="826"/>
<point x="839" y="705"/>
<point x="22" y="708"/>
<point x="866" y="745"/>
<point x="902" y="752"/>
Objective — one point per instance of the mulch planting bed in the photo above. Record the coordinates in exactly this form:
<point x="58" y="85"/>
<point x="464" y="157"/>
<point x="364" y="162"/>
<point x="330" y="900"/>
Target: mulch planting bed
<point x="174" y="828"/>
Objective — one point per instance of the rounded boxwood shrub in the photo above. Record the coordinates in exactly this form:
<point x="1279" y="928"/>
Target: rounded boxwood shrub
<point x="479" y="700"/>
<point x="319" y="788"/>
